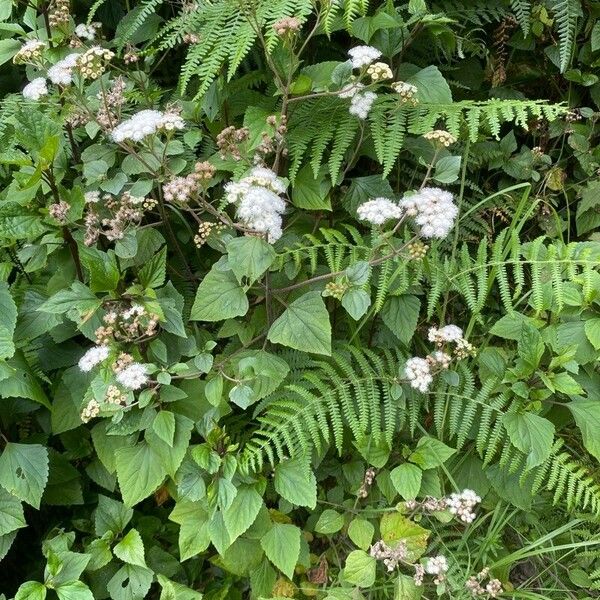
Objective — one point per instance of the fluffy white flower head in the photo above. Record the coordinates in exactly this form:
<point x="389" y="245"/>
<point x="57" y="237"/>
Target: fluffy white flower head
<point x="433" y="210"/>
<point x="448" y="333"/>
<point x="62" y="72"/>
<point x="145" y="123"/>
<point x="418" y="373"/>
<point x="436" y="565"/>
<point x="133" y="377"/>
<point x="85" y="32"/>
<point x="378" y="210"/>
<point x="94" y="356"/>
<point x="259" y="201"/>
<point x="92" y="197"/>
<point x="361" y="104"/>
<point x="35" y="89"/>
<point x="362" y="56"/>
<point x="463" y="505"/>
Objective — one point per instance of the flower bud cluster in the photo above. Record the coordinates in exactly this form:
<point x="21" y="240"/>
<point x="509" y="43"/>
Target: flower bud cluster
<point x="391" y="556"/>
<point x="475" y="584"/>
<point x="59" y="13"/>
<point x="287" y="25"/>
<point x="92" y="63"/>
<point x="230" y="140"/>
<point x="59" y="211"/>
<point x="440" y="138"/>
<point x="406" y="91"/>
<point x="31" y="51"/>
<point x="130" y="324"/>
<point x="379" y="71"/>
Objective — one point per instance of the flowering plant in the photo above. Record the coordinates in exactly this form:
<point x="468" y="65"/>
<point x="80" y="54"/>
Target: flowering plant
<point x="289" y="311"/>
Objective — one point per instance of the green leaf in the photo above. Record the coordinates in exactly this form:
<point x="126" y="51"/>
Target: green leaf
<point x="152" y="274"/>
<point x="102" y="267"/>
<point x="249" y="257"/>
<point x="8" y="48"/>
<point x="74" y="590"/>
<point x="11" y="513"/>
<point x="431" y="453"/>
<point x="405" y="588"/>
<point x="175" y="591"/>
<point x="587" y="417"/>
<point x="530" y="347"/>
<point x="447" y="169"/>
<point x="131" y="549"/>
<point x="359" y="569"/>
<point x="282" y="547"/>
<point x="130" y="582"/>
<point x="401" y="315"/>
<point x="242" y="511"/>
<point x="78" y="297"/>
<point x="24" y="471"/>
<point x="310" y="192"/>
<point x="172" y="303"/>
<point x="8" y="321"/>
<point x="431" y="85"/>
<point x="330" y="521"/>
<point x="361" y="532"/>
<point x="31" y="590"/>
<point x="396" y="528"/>
<point x="111" y="515"/>
<point x="406" y="478"/>
<point x="139" y="471"/>
<point x="592" y="332"/>
<point x="164" y="426"/>
<point x="295" y="481"/>
<point x="531" y="434"/>
<point x="219" y="297"/>
<point x="170" y="456"/>
<point x="356" y="302"/>
<point x="304" y="325"/>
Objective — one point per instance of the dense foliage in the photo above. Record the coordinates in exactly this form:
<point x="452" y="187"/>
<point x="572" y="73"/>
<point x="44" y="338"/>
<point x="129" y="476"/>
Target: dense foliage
<point x="299" y="298"/>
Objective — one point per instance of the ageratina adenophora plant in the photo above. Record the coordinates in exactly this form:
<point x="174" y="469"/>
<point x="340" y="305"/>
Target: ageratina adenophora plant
<point x="299" y="299"/>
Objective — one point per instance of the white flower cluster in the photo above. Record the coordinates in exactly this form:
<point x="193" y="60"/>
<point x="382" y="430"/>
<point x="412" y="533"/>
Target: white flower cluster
<point x="451" y="334"/>
<point x="438" y="566"/>
<point x="35" y="89"/>
<point x="418" y="373"/>
<point x="92" y="197"/>
<point x="378" y="210"/>
<point x="62" y="72"/>
<point x="86" y="32"/>
<point x="448" y="333"/>
<point x="133" y="377"/>
<point x="145" y="123"/>
<point x="259" y="202"/>
<point x="93" y="357"/>
<point x="463" y="505"/>
<point x="361" y="104"/>
<point x="362" y="56"/>
<point x="433" y="209"/>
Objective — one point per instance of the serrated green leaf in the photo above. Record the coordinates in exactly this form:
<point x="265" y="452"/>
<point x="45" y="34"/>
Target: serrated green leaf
<point x="24" y="471"/>
<point x="304" y="325"/>
<point x="282" y="547"/>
